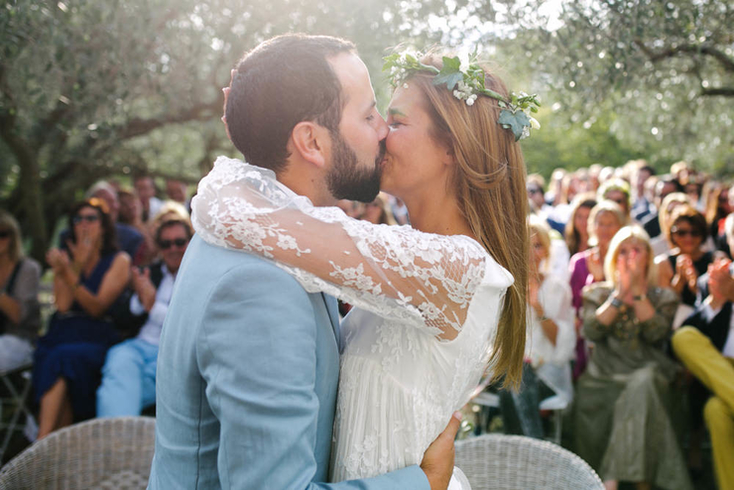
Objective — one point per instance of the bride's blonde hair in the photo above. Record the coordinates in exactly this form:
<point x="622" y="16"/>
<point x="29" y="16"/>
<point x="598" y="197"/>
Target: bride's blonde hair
<point x="489" y="182"/>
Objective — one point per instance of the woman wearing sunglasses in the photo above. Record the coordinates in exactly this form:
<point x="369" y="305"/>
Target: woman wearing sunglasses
<point x="680" y="268"/>
<point x="87" y="281"/>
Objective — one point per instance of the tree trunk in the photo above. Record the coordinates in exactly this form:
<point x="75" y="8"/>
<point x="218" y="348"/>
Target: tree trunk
<point x="32" y="204"/>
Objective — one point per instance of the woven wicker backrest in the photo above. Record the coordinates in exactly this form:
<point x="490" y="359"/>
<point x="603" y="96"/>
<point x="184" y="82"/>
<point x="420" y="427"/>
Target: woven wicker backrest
<point x="109" y="453"/>
<point x="502" y="462"/>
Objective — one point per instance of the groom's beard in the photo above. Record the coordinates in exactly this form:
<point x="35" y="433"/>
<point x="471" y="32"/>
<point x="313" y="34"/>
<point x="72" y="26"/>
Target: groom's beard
<point x="350" y="180"/>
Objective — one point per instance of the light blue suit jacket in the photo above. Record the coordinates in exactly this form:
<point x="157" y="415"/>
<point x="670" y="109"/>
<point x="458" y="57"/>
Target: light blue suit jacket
<point x="248" y="369"/>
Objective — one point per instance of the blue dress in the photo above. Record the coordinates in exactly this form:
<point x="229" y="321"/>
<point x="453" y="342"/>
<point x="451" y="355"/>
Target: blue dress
<point x="75" y="348"/>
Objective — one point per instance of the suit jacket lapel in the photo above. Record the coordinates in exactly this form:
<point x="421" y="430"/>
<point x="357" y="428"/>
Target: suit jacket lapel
<point x="332" y="308"/>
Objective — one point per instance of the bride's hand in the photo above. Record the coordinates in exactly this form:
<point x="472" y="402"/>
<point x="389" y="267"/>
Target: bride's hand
<point x="438" y="460"/>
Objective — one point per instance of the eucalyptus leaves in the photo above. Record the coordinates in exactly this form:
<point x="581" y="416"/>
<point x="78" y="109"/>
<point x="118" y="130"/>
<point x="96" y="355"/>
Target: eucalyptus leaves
<point x="466" y="81"/>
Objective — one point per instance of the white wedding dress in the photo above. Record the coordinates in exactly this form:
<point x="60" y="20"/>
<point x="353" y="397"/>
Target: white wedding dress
<point x="425" y="318"/>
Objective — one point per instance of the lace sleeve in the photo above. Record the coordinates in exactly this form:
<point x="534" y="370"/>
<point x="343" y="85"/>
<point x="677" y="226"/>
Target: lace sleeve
<point x="395" y="272"/>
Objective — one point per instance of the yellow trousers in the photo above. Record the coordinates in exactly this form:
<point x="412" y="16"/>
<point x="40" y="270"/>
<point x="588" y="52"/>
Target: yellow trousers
<point x="717" y="373"/>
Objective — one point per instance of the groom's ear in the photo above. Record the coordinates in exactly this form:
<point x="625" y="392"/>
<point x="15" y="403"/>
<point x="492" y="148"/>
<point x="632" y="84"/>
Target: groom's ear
<point x="310" y="141"/>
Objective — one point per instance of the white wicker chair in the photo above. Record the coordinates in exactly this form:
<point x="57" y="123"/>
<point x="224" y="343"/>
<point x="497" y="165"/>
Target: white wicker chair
<point x="502" y="462"/>
<point x="109" y="453"/>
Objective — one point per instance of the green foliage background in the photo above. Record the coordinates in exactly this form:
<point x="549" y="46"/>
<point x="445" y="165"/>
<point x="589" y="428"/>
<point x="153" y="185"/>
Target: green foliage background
<point x="93" y="89"/>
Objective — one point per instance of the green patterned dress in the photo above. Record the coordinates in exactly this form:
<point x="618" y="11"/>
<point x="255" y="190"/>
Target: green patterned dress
<point x="622" y="425"/>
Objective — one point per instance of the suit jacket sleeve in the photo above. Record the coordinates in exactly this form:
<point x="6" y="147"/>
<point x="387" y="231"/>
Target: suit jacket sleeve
<point x="257" y="353"/>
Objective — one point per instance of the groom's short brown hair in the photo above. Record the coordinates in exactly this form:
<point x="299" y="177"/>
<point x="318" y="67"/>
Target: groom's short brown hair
<point x="283" y="81"/>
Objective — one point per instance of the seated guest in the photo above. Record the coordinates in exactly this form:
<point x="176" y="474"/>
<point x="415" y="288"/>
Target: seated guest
<point x="680" y="268"/>
<point x="128" y="239"/>
<point x="717" y="209"/>
<point x="616" y="190"/>
<point x="587" y="267"/>
<point x="69" y="358"/>
<point x="576" y="232"/>
<point x="622" y="426"/>
<point x="665" y="185"/>
<point x="169" y="210"/>
<point x="642" y="206"/>
<point x="176" y="190"/>
<point x="128" y="376"/>
<point x="660" y="244"/>
<point x="549" y="346"/>
<point x="20" y="316"/>
<point x="146" y="191"/>
<point x="706" y="346"/>
<point x="378" y="211"/>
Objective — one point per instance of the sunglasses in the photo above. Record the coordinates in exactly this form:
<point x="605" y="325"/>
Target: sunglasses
<point x="682" y="233"/>
<point x="89" y="218"/>
<point x="166" y="244"/>
<point x="5" y="233"/>
<point x="534" y="191"/>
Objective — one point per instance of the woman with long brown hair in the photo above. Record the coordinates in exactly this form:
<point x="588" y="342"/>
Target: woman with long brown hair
<point x="435" y="303"/>
<point x="576" y="232"/>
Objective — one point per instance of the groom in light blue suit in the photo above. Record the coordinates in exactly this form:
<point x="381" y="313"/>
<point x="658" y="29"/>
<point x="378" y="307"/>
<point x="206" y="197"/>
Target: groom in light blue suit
<point x="248" y="363"/>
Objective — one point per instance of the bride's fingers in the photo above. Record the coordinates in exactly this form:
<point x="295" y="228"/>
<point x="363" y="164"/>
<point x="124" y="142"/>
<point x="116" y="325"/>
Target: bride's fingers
<point x="449" y="433"/>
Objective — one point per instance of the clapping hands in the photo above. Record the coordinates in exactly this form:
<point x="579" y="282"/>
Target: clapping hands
<point x="721" y="283"/>
<point x="144" y="287"/>
<point x="57" y="259"/>
<point x="687" y="272"/>
<point x="631" y="273"/>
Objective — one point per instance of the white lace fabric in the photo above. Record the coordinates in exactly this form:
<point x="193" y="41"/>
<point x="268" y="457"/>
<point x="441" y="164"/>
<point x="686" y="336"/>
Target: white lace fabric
<point x="426" y="309"/>
<point x="397" y="272"/>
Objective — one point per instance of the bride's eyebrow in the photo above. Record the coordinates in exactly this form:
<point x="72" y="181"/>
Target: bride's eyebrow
<point x="395" y="112"/>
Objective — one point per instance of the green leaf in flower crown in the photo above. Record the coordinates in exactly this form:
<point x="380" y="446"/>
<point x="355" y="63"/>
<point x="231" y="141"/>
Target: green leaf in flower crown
<point x="514" y="121"/>
<point x="390" y="61"/>
<point x="450" y="74"/>
<point x="450" y="79"/>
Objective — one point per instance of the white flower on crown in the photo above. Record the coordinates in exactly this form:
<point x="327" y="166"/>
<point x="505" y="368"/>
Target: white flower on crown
<point x="534" y="123"/>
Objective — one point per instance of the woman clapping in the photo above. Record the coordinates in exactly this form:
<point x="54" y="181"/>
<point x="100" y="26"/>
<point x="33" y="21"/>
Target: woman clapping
<point x="622" y="426"/>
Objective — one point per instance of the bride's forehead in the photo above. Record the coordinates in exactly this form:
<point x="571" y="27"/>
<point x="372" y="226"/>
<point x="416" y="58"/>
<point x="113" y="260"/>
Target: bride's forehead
<point x="405" y="98"/>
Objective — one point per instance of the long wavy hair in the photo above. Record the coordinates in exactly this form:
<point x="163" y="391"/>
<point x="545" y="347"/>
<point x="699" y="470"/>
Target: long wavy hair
<point x="571" y="233"/>
<point x="489" y="182"/>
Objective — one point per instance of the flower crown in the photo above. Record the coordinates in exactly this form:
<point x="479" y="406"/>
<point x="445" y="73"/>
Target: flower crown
<point x="467" y="84"/>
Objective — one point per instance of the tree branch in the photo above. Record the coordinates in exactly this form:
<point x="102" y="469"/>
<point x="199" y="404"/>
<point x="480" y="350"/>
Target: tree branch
<point x="726" y="62"/>
<point x="725" y="91"/>
<point x="136" y="127"/>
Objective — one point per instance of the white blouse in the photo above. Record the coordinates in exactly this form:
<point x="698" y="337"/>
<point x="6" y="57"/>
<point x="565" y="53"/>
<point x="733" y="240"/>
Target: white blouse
<point x="552" y="362"/>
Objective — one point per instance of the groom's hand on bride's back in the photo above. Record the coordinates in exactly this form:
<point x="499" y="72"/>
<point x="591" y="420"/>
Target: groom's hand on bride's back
<point x="438" y="460"/>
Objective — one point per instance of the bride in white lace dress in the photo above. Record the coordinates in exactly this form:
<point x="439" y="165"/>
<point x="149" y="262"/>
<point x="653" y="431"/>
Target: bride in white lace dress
<point x="435" y="303"/>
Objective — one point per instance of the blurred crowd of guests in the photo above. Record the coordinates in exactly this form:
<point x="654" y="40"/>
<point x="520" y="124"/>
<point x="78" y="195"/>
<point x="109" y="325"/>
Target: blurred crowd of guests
<point x="629" y="308"/>
<point x="643" y="264"/>
<point x="113" y="267"/>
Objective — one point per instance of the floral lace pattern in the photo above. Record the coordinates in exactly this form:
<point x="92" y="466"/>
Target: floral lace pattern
<point x="397" y="272"/>
<point x="425" y="318"/>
